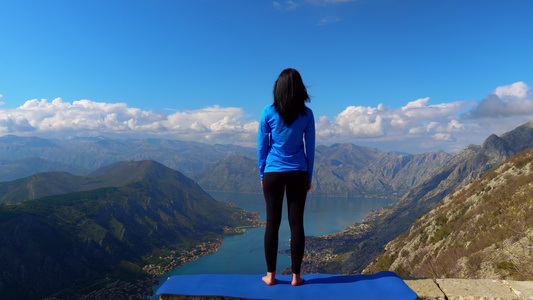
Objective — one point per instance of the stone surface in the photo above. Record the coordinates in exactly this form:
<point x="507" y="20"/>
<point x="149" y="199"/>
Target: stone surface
<point x="426" y="289"/>
<point x="466" y="289"/>
<point x="524" y="289"/>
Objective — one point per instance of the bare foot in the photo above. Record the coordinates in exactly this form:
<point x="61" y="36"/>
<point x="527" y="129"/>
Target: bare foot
<point x="297" y="279"/>
<point x="270" y="278"/>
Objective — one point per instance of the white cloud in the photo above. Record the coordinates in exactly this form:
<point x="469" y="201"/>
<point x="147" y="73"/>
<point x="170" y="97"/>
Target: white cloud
<point x="288" y="5"/>
<point x="455" y="126"/>
<point x="291" y="5"/>
<point x="360" y="121"/>
<point x="517" y="89"/>
<point x="417" y="126"/>
<point x="416" y="118"/>
<point x="420" y="125"/>
<point x="506" y="101"/>
<point x="328" y="20"/>
<point x="443" y="137"/>
<point x="89" y="118"/>
<point x="14" y="124"/>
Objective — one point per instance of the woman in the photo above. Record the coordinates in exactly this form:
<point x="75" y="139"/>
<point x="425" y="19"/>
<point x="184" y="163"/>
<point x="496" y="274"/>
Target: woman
<point x="286" y="153"/>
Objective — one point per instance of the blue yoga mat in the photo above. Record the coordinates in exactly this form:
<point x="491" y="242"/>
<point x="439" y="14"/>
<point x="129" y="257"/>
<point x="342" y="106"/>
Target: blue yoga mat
<point x="382" y="285"/>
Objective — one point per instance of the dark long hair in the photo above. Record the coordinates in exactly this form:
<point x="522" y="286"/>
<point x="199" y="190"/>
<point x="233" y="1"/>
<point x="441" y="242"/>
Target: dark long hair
<point x="290" y="95"/>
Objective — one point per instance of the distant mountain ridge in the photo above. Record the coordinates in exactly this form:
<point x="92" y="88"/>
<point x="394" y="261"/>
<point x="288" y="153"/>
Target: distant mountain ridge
<point x="93" y="153"/>
<point x="54" y="183"/>
<point x="76" y="238"/>
<point x="351" y="170"/>
<point x="234" y="173"/>
<point x="11" y="170"/>
<point x="340" y="170"/>
<point x="466" y="166"/>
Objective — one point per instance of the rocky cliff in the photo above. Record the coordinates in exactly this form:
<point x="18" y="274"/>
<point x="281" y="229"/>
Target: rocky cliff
<point x="350" y="170"/>
<point x="466" y="166"/>
<point x="481" y="230"/>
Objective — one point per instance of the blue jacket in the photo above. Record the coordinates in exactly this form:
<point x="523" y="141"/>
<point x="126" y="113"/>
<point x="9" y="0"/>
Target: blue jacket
<point x="282" y="148"/>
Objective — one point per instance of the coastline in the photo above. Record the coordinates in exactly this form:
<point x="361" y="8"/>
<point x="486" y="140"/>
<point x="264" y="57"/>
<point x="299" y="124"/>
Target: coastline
<point x="320" y="250"/>
<point x="143" y="288"/>
<point x="169" y="260"/>
<point x="176" y="258"/>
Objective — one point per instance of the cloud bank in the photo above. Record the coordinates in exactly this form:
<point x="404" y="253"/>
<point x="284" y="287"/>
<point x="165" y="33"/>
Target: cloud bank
<point x="506" y="101"/>
<point x="420" y="126"/>
<point x="87" y="118"/>
<point x="416" y="127"/>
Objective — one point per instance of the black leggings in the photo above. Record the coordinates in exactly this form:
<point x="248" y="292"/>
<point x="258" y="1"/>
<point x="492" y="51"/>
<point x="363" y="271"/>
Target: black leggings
<point x="274" y="184"/>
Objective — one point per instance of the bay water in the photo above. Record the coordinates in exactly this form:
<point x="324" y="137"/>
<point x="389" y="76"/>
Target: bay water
<point x="244" y="254"/>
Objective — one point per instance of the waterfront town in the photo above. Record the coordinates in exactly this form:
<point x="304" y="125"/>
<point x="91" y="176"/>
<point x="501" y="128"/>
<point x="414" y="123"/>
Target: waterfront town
<point x="170" y="260"/>
<point x="319" y="250"/>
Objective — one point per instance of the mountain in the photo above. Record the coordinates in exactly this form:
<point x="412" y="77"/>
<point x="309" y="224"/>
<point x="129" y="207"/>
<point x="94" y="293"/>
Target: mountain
<point x="55" y="183"/>
<point x="350" y="170"/>
<point x="39" y="185"/>
<point x="340" y="170"/>
<point x="466" y="166"/>
<point x="93" y="153"/>
<point x="11" y="170"/>
<point x="234" y="173"/>
<point x="481" y="230"/>
<point x="80" y="238"/>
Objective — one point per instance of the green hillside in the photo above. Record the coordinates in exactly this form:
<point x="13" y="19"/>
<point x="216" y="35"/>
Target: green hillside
<point x="20" y="168"/>
<point x="55" y="183"/>
<point x="55" y="242"/>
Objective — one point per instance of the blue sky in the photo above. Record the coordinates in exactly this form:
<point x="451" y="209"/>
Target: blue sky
<point x="409" y="75"/>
